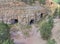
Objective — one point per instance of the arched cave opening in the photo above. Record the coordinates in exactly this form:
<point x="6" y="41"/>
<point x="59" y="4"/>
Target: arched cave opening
<point x="13" y="21"/>
<point x="41" y="15"/>
<point x="31" y="21"/>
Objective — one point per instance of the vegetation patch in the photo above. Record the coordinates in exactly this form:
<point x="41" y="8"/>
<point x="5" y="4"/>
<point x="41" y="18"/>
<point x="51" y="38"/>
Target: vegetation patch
<point x="57" y="1"/>
<point x="4" y="34"/>
<point x="57" y="12"/>
<point x="51" y="41"/>
<point x="42" y="1"/>
<point x="45" y="28"/>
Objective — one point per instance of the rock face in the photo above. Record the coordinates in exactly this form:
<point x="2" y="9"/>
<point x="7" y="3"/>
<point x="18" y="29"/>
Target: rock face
<point x="21" y="12"/>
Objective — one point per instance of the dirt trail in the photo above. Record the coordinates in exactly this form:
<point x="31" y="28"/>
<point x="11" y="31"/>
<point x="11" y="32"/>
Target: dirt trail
<point x="34" y="38"/>
<point x="56" y="31"/>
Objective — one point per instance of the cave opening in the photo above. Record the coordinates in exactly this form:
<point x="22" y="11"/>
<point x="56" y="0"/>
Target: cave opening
<point x="13" y="21"/>
<point x="41" y="15"/>
<point x="31" y="21"/>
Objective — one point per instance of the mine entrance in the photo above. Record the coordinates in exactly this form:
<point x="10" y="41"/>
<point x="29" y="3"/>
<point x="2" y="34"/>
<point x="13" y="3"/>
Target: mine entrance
<point x="31" y="21"/>
<point x="13" y="21"/>
<point x="41" y="15"/>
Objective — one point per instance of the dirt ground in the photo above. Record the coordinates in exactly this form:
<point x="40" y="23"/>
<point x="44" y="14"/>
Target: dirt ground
<point x="56" y="31"/>
<point x="34" y="38"/>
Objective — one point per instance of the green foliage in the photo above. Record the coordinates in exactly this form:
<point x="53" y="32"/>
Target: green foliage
<point x="51" y="41"/>
<point x="45" y="29"/>
<point x="28" y="1"/>
<point x="55" y="13"/>
<point x="50" y="21"/>
<point x="57" y="1"/>
<point x="4" y="34"/>
<point x="8" y="42"/>
<point x="42" y="1"/>
<point x="59" y="12"/>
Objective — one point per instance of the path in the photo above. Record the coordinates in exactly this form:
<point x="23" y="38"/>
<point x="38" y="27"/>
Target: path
<point x="56" y="31"/>
<point x="34" y="38"/>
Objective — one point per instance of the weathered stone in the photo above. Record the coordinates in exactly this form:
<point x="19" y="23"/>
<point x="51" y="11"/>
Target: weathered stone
<point x="21" y="11"/>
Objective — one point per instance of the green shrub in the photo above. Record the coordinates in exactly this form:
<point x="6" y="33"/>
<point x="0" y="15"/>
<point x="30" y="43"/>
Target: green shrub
<point x="4" y="34"/>
<point x="42" y="1"/>
<point x="59" y="12"/>
<point x="8" y="42"/>
<point x="51" y="41"/>
<point x="50" y="21"/>
<point x="55" y="13"/>
<point x="45" y="29"/>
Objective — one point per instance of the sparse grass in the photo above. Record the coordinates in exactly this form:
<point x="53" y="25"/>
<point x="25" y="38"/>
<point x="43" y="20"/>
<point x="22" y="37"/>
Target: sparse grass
<point x="24" y="28"/>
<point x="26" y="34"/>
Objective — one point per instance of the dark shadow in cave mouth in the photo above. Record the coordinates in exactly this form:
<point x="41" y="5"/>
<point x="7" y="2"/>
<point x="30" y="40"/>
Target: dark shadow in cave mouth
<point x="13" y="21"/>
<point x="31" y="21"/>
<point x="41" y="15"/>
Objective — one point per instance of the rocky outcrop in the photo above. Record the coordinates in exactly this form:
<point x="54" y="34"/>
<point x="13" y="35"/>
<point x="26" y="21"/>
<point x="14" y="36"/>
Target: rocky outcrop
<point x="20" y="11"/>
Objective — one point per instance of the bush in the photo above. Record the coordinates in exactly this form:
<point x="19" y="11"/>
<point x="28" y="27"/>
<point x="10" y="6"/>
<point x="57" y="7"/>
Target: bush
<point x="42" y="1"/>
<point x="4" y="34"/>
<point x="45" y="29"/>
<point x="50" y="21"/>
<point x="8" y="42"/>
<point x="57" y="12"/>
<point x="51" y="41"/>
